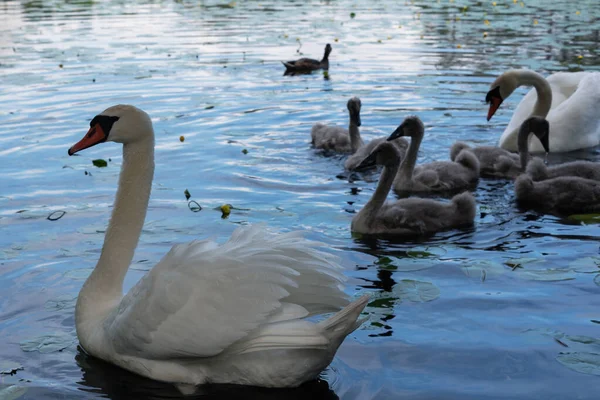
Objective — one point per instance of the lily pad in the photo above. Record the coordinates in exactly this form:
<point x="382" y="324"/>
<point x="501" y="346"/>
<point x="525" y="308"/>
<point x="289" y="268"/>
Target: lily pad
<point x="479" y="268"/>
<point x="586" y="265"/>
<point x="585" y="363"/>
<point x="100" y="163"/>
<point x="548" y="275"/>
<point x="12" y="392"/>
<point x="48" y="343"/>
<point x="9" y="368"/>
<point x="416" y="291"/>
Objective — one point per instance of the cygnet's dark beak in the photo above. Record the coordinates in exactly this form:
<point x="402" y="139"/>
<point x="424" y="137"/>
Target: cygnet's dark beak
<point x="397" y="133"/>
<point x="367" y="162"/>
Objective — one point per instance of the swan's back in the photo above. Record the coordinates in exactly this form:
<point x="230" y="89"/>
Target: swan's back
<point x="421" y="216"/>
<point x="562" y="195"/>
<point x="583" y="169"/>
<point x="331" y="138"/>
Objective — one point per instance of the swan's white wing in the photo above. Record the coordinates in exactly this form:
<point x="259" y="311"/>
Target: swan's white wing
<point x="575" y="123"/>
<point x="201" y="297"/>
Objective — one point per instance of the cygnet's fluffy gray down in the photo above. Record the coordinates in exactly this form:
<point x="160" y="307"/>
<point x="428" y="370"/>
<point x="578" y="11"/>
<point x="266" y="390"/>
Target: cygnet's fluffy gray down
<point x="494" y="162"/>
<point x="338" y="139"/>
<point x="412" y="216"/>
<point x="563" y="195"/>
<point x="583" y="169"/>
<point x="441" y="177"/>
<point x="499" y="163"/>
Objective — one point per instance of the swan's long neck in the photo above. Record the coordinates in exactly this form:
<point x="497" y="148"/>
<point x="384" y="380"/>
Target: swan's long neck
<point x="355" y="139"/>
<point x="523" y="146"/>
<point x="104" y="287"/>
<point x="408" y="164"/>
<point x="542" y="88"/>
<point x="369" y="211"/>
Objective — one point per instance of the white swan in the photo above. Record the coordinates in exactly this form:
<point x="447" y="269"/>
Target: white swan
<point x="568" y="100"/>
<point x="231" y="313"/>
<point x="440" y="177"/>
<point x="412" y="216"/>
<point x="340" y="140"/>
<point x="499" y="163"/>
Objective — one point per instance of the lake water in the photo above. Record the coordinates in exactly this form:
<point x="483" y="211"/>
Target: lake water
<point x="509" y="309"/>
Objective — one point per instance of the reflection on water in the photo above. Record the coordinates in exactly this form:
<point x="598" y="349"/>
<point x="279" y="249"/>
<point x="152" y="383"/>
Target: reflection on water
<point x="507" y="309"/>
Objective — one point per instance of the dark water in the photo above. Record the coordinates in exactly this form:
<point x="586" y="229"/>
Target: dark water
<point x="507" y="310"/>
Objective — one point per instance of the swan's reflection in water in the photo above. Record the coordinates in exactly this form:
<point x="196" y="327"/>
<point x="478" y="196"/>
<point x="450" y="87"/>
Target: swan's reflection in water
<point x="118" y="384"/>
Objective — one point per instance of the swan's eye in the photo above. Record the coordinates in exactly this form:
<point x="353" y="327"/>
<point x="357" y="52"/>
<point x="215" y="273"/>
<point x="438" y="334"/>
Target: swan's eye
<point x="494" y="93"/>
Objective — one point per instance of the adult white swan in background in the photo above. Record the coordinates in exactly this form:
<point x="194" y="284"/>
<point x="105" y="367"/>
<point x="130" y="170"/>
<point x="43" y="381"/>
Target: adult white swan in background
<point x="412" y="216"/>
<point x="499" y="163"/>
<point x="231" y="313"/>
<point x="568" y="100"/>
<point x="441" y="177"/>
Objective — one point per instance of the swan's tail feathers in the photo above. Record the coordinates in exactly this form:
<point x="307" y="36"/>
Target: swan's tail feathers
<point x="504" y="164"/>
<point x="456" y="148"/>
<point x="468" y="159"/>
<point x="344" y="322"/>
<point x="289" y="66"/>
<point x="537" y="169"/>
<point x="465" y="206"/>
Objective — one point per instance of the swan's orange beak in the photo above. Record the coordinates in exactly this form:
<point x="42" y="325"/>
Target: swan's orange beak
<point x="94" y="136"/>
<point x="494" y="104"/>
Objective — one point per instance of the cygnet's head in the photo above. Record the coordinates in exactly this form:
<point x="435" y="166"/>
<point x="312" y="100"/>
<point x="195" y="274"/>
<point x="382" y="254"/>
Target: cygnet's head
<point x="500" y="89"/>
<point x="385" y="154"/>
<point x="354" y="109"/>
<point x="411" y="126"/>
<point x="540" y="127"/>
<point x="121" y="123"/>
<point x="327" y="50"/>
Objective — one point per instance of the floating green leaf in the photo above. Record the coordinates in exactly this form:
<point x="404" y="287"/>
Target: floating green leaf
<point x="416" y="291"/>
<point x="585" y="363"/>
<point x="245" y="151"/>
<point x="586" y="218"/>
<point x="100" y="163"/>
<point x="187" y="194"/>
<point x="48" y="343"/>
<point x="352" y="15"/>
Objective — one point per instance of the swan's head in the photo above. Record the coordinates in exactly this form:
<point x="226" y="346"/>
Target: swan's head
<point x="122" y="124"/>
<point x="385" y="154"/>
<point x="327" y="50"/>
<point x="500" y="89"/>
<point x="354" y="109"/>
<point x="540" y="127"/>
<point x="411" y="126"/>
